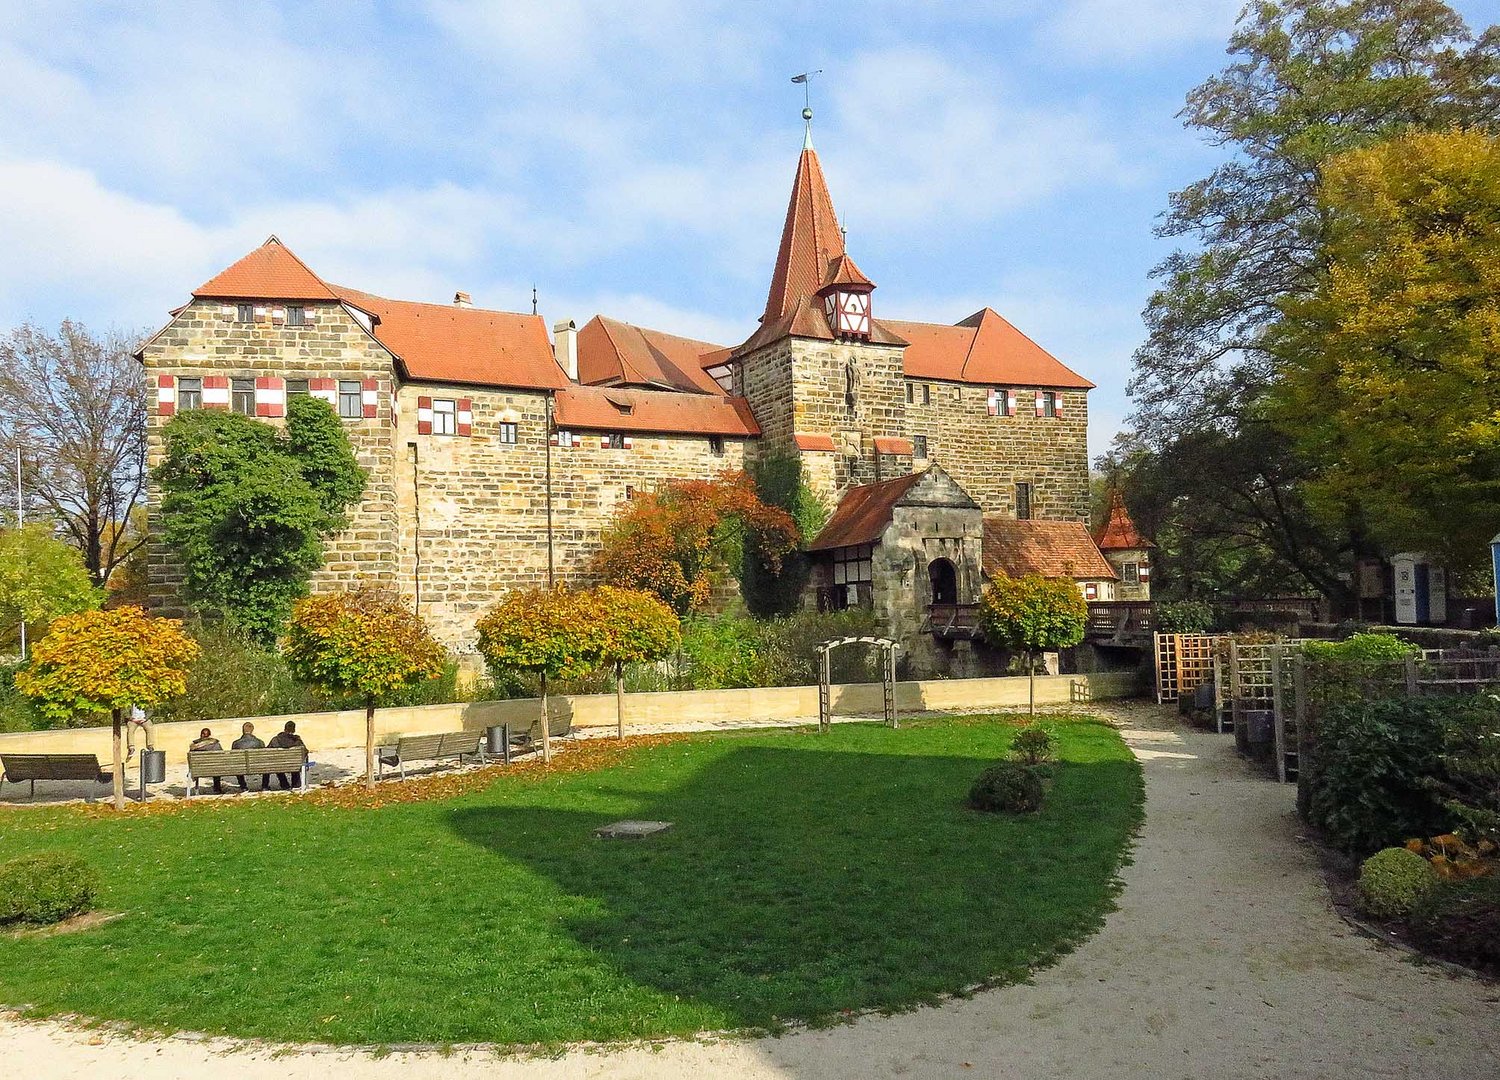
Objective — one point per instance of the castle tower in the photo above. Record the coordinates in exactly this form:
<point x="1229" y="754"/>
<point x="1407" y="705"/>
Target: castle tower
<point x="1126" y="550"/>
<point x="822" y="375"/>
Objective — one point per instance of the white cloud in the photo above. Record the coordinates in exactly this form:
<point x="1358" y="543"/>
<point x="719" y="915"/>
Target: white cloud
<point x="1128" y="30"/>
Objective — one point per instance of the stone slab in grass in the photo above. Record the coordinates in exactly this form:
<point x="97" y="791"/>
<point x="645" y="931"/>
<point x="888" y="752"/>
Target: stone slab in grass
<point x="631" y="830"/>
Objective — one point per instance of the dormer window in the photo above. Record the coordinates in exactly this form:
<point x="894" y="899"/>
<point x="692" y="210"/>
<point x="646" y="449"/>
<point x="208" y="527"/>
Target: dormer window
<point x="244" y="313"/>
<point x="848" y="313"/>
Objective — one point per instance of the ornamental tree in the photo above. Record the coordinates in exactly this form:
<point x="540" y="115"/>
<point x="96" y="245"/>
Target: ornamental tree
<point x="41" y="579"/>
<point x="1032" y="614"/>
<point x="246" y="507"/>
<point x="637" y="628"/>
<point x="683" y="539"/>
<point x="553" y="633"/>
<point x="367" y="642"/>
<point x="93" y="662"/>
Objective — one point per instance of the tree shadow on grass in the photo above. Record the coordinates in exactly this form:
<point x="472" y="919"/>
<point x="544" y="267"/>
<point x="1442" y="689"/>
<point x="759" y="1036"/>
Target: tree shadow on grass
<point x="798" y="883"/>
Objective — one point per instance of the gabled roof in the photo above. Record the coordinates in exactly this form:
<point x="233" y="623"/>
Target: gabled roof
<point x="1053" y="549"/>
<point x="452" y="344"/>
<point x="614" y="352"/>
<point x="808" y="320"/>
<point x="1119" y="532"/>
<point x="270" y="272"/>
<point x="985" y="349"/>
<point x="864" y="512"/>
<point x="607" y="408"/>
<point x="810" y="241"/>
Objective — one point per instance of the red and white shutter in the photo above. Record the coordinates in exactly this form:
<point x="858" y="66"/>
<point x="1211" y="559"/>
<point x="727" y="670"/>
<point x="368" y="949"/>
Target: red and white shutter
<point x="216" y="391"/>
<point x="603" y="442"/>
<point x="1144" y="573"/>
<point x="1090" y="590"/>
<point x="166" y="395"/>
<point x="577" y="440"/>
<point x="270" y="396"/>
<point x="369" y="398"/>
<point x="1041" y="403"/>
<point x="628" y="442"/>
<point x="1057" y="400"/>
<point x="424" y="416"/>
<point x="465" y="416"/>
<point x="1010" y="403"/>
<point x="324" y="390"/>
<point x="994" y="402"/>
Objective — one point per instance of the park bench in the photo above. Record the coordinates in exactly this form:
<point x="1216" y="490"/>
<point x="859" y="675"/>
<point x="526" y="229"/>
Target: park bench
<point x="450" y="744"/>
<point x="17" y="768"/>
<point x="211" y="764"/>
<point x="560" y="728"/>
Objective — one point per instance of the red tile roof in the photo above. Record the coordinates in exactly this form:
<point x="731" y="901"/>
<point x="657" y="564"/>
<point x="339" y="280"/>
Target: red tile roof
<point x="985" y="349"/>
<point x="601" y="408"/>
<point x="1119" y="532"/>
<point x="270" y="272"/>
<point x="614" y="352"/>
<point x="810" y="241"/>
<point x="1053" y="549"/>
<point x="474" y="346"/>
<point x="863" y="513"/>
<point x="814" y="442"/>
<point x="884" y="444"/>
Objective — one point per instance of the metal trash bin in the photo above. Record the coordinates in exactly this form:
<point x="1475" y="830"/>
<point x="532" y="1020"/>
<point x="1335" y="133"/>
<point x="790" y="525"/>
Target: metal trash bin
<point x="494" y="740"/>
<point x="153" y="766"/>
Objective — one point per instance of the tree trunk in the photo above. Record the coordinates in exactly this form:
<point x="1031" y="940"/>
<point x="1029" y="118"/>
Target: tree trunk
<point x="119" y="777"/>
<point x="370" y="743"/>
<point x="620" y="698"/>
<point x="1031" y="682"/>
<point x="546" y="725"/>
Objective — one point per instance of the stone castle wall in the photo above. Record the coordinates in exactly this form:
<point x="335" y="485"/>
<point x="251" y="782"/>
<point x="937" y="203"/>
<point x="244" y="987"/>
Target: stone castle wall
<point x="205" y="340"/>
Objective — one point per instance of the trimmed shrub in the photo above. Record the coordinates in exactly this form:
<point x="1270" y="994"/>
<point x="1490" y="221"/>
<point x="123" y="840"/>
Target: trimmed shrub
<point x="1393" y="882"/>
<point x="45" y="888"/>
<point x="1461" y="921"/>
<point x="1033" y="744"/>
<point x="1009" y="786"/>
<point x="1186" y="617"/>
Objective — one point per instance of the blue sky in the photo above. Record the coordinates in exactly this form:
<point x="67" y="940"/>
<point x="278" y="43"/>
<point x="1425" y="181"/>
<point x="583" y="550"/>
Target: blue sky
<point x="631" y="158"/>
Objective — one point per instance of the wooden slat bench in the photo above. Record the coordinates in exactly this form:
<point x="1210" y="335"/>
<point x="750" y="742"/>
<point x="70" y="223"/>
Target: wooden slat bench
<point x="17" y="768"/>
<point x="560" y="728"/>
<point x="450" y="744"/>
<point x="210" y="764"/>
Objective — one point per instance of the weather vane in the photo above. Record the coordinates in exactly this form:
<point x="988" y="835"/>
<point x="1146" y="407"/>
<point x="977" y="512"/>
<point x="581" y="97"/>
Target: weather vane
<point x="806" y="80"/>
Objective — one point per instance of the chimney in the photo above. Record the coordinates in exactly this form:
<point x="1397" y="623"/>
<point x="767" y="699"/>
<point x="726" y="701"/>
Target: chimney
<point x="565" y="347"/>
<point x="462" y="299"/>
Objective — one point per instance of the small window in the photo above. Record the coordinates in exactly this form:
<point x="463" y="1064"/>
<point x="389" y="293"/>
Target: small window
<point x="1049" y="403"/>
<point x="1002" y="401"/>
<point x="242" y="396"/>
<point x="629" y="492"/>
<point x="444" y="416"/>
<point x="296" y="315"/>
<point x="508" y="432"/>
<point x="244" y="313"/>
<point x="295" y="387"/>
<point x="1131" y="573"/>
<point x="351" y="403"/>
<point x="564" y="437"/>
<point x="911" y="393"/>
<point x="926" y="393"/>
<point x="1023" y="502"/>
<point x="189" y="394"/>
<point x="716" y="445"/>
<point x="614" y="441"/>
<point x="919" y="446"/>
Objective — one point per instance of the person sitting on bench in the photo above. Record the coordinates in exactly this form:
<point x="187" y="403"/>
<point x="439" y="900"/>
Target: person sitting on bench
<point x="287" y="739"/>
<point x="249" y="741"/>
<point x="206" y="741"/>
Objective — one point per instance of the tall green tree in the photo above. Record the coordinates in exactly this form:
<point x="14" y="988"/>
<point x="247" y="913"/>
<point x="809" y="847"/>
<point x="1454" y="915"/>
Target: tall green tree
<point x="1030" y="615"/>
<point x="41" y="579"/>
<point x="1390" y="365"/>
<point x="247" y="507"/>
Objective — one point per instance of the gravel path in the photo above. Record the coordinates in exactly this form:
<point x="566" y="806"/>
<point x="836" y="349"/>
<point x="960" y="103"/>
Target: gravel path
<point x="1224" y="960"/>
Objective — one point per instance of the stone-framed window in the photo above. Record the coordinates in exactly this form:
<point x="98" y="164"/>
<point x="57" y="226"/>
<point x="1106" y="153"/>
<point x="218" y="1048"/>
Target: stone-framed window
<point x="926" y="393"/>
<point x="244" y="313"/>
<point x="854" y="565"/>
<point x="565" y="437"/>
<point x="1023" y="501"/>
<point x="189" y="394"/>
<point x="507" y="432"/>
<point x="614" y="440"/>
<point x="242" y="396"/>
<point x="296" y="315"/>
<point x="351" y="403"/>
<point x="911" y="393"/>
<point x="1130" y="573"/>
<point x="716" y="445"/>
<point x="919" y="446"/>
<point x="1049" y="402"/>
<point x="444" y="416"/>
<point x="295" y="387"/>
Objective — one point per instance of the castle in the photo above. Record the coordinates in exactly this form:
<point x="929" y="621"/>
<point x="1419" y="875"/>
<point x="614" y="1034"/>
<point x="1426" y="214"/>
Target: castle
<point x="496" y="455"/>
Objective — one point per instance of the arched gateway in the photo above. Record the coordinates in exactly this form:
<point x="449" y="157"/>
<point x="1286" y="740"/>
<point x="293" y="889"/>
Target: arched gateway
<point x="825" y="691"/>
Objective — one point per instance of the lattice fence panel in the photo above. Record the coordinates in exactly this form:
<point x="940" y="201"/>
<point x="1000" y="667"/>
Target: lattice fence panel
<point x="1184" y="662"/>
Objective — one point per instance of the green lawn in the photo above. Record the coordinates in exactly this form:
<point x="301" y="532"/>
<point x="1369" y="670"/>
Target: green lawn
<point x="807" y="874"/>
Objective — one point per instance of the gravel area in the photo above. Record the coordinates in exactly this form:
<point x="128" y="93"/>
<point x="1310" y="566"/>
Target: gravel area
<point x="1225" y="959"/>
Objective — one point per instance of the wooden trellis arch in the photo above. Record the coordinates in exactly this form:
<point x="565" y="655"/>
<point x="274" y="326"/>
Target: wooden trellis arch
<point x="825" y="677"/>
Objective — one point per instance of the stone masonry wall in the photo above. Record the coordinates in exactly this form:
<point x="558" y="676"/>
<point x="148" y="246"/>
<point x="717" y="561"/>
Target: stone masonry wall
<point x="204" y="339"/>
<point x="988" y="455"/>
